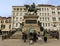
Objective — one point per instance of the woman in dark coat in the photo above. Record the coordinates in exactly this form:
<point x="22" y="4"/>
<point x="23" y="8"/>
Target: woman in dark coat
<point x="34" y="37"/>
<point x="24" y="36"/>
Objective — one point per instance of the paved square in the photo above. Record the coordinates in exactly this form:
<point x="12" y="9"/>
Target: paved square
<point x="19" y="42"/>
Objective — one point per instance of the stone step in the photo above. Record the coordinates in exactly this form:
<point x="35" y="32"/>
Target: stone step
<point x="16" y="35"/>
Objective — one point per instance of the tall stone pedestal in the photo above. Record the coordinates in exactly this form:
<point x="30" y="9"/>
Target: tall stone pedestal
<point x="30" y="21"/>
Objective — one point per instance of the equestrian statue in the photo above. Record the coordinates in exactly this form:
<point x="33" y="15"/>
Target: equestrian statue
<point x="31" y="8"/>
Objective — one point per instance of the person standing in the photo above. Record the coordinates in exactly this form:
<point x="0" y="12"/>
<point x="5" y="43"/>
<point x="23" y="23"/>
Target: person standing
<point x="45" y="36"/>
<point x="39" y="36"/>
<point x="24" y="37"/>
<point x="31" y="38"/>
<point x="34" y="36"/>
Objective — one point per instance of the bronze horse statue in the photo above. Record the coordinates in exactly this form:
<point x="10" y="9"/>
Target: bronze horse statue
<point x="31" y="8"/>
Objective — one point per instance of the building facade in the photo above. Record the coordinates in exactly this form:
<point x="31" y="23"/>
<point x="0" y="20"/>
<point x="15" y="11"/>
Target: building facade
<point x="49" y="16"/>
<point x="5" y="23"/>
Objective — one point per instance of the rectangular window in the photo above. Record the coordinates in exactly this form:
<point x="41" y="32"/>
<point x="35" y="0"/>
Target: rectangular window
<point x="20" y="14"/>
<point x="14" y="9"/>
<point x="59" y="18"/>
<point x="59" y="24"/>
<point x="20" y="18"/>
<point x="40" y="18"/>
<point x="6" y="21"/>
<point x="3" y="26"/>
<point x="16" y="18"/>
<point x="20" y="9"/>
<point x="58" y="8"/>
<point x="47" y="9"/>
<point x="24" y="9"/>
<point x="9" y="26"/>
<point x="45" y="14"/>
<point x="42" y="9"/>
<point x="48" y="14"/>
<point x="40" y="13"/>
<point x="17" y="14"/>
<point x="2" y="21"/>
<point x="54" y="19"/>
<point x="54" y="25"/>
<point x="53" y="8"/>
<point x="39" y="9"/>
<point x="53" y="12"/>
<point x="43" y="24"/>
<point x="58" y="13"/>
<point x="9" y="21"/>
<point x="17" y="9"/>
<point x="13" y="13"/>
<point x="43" y="18"/>
<point x="48" y="24"/>
<point x="48" y="19"/>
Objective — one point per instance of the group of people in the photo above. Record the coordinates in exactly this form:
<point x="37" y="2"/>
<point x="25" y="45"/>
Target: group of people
<point x="33" y="37"/>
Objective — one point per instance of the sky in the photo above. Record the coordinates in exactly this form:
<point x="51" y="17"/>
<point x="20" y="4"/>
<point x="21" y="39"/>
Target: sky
<point x="6" y="5"/>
